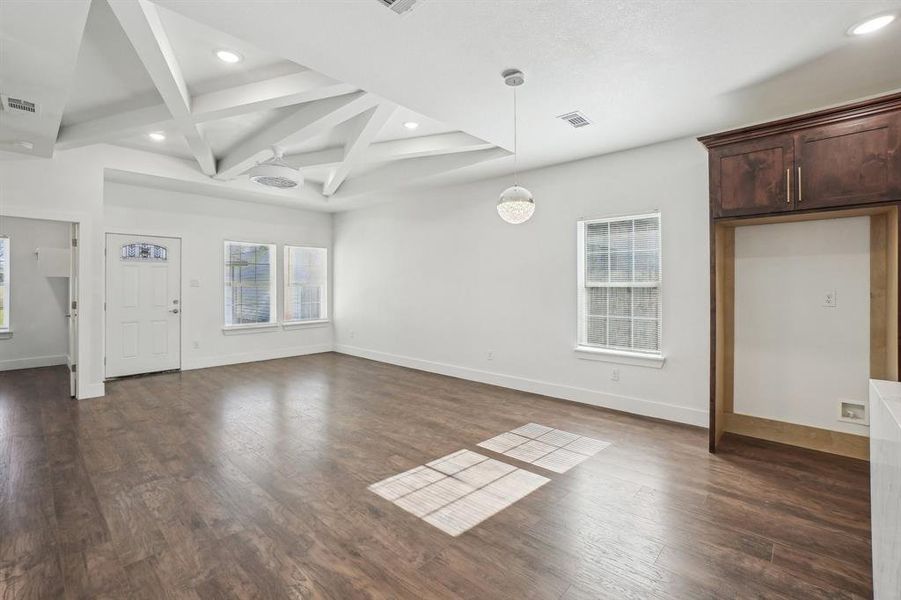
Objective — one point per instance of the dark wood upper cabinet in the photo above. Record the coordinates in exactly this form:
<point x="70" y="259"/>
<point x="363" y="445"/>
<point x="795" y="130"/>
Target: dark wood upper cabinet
<point x="854" y="162"/>
<point x="834" y="162"/>
<point x="752" y="178"/>
<point x="838" y="157"/>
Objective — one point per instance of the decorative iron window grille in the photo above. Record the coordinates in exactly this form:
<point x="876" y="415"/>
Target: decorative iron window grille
<point x="143" y="251"/>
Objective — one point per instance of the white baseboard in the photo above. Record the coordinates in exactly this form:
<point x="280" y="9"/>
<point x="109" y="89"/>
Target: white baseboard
<point x="204" y="362"/>
<point x="648" y="408"/>
<point x="32" y="362"/>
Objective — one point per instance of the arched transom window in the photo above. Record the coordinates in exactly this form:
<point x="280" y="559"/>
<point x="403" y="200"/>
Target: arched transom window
<point x="144" y="251"/>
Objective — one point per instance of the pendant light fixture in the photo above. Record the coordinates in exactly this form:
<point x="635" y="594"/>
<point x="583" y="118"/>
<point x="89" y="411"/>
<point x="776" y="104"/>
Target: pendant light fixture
<point x="516" y="204"/>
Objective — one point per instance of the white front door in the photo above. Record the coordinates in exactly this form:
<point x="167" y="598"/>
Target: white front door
<point x="143" y="304"/>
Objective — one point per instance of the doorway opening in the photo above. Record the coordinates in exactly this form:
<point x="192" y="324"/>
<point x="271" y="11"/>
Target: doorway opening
<point x="39" y="295"/>
<point x="806" y="312"/>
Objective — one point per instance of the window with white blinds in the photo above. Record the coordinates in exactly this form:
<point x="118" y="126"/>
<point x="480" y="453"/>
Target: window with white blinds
<point x="306" y="284"/>
<point x="619" y="284"/>
<point x="249" y="284"/>
<point x="4" y="283"/>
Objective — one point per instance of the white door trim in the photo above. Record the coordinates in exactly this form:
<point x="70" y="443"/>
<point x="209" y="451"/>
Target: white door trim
<point x="106" y="235"/>
<point x="73" y="307"/>
<point x="84" y="388"/>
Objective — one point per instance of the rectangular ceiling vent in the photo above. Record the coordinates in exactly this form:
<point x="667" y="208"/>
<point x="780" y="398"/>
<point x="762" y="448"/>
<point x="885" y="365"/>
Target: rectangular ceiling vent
<point x="398" y="6"/>
<point x="18" y="105"/>
<point x="576" y="119"/>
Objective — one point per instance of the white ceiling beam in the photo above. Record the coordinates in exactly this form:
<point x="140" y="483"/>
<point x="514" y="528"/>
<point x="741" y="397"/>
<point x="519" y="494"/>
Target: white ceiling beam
<point x="141" y="23"/>
<point x="329" y="158"/>
<point x="427" y="145"/>
<point x="368" y="126"/>
<point x="399" y="174"/>
<point x="418" y="147"/>
<point x="115" y="127"/>
<point x="297" y="88"/>
<point x="308" y="120"/>
<point x="276" y="92"/>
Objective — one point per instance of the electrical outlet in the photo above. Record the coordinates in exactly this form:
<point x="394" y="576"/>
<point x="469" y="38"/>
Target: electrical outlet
<point x="352" y="334"/>
<point x="196" y="345"/>
<point x="614" y="375"/>
<point x="194" y="283"/>
<point x="491" y="355"/>
<point x="830" y="300"/>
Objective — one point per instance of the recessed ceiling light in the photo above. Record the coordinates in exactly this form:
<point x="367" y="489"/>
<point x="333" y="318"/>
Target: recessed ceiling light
<point x="228" y="56"/>
<point x="411" y="125"/>
<point x="157" y="136"/>
<point x="871" y="25"/>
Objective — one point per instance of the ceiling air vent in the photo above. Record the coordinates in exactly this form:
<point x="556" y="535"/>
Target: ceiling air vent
<point x="576" y="119"/>
<point x="18" y="105"/>
<point x="398" y="6"/>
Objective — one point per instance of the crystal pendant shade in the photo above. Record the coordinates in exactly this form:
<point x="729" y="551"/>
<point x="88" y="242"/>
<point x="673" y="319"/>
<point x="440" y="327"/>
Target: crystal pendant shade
<point x="516" y="205"/>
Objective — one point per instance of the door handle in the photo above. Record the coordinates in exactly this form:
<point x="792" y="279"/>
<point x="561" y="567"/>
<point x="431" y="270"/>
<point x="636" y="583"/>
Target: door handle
<point x="174" y="311"/>
<point x="788" y="186"/>
<point x="800" y="197"/>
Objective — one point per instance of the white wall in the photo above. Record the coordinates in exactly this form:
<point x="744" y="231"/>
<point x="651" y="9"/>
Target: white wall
<point x="69" y="187"/>
<point x="794" y="358"/>
<point x="435" y="280"/>
<point x="203" y="224"/>
<point x="38" y="322"/>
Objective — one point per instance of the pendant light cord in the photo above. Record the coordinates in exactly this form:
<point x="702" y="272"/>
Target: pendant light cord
<point x="515" y="148"/>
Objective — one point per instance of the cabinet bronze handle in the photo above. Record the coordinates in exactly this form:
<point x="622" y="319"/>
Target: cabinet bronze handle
<point x="800" y="198"/>
<point x="788" y="186"/>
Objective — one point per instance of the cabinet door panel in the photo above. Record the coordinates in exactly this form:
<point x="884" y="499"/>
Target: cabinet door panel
<point x="752" y="177"/>
<point x="856" y="162"/>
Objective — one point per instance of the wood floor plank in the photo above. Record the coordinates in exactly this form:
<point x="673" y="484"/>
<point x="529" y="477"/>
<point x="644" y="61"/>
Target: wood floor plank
<point x="250" y="481"/>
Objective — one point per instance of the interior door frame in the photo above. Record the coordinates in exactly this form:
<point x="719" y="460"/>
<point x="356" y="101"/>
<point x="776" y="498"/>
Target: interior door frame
<point x="73" y="325"/>
<point x="83" y="221"/>
<point x="181" y="303"/>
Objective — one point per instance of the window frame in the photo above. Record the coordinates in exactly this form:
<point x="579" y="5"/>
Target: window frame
<point x="609" y="353"/>
<point x="6" y="325"/>
<point x="273" y="279"/>
<point x="323" y="311"/>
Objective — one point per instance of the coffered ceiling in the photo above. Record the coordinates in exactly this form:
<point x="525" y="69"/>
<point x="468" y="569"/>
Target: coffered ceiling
<point x="148" y="78"/>
<point x="332" y="83"/>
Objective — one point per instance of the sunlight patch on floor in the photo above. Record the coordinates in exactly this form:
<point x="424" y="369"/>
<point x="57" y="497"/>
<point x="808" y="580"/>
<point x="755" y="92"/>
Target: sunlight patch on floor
<point x="545" y="447"/>
<point x="458" y="491"/>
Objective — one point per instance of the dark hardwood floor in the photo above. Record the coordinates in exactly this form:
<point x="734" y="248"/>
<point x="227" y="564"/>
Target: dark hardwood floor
<point x="249" y="481"/>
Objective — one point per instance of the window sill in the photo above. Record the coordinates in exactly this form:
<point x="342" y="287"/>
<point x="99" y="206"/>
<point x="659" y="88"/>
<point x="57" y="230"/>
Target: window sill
<point x="6" y="334"/>
<point x="622" y="357"/>
<point x="249" y="328"/>
<point x="290" y="325"/>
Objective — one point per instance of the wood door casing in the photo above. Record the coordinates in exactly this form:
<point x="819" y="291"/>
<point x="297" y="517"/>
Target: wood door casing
<point x="855" y="162"/>
<point x="753" y="177"/>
